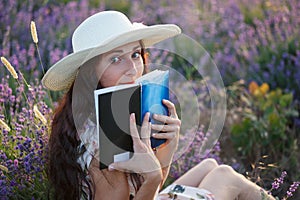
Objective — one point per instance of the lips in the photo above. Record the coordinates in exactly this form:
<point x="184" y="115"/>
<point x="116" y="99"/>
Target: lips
<point x="123" y="83"/>
<point x="128" y="82"/>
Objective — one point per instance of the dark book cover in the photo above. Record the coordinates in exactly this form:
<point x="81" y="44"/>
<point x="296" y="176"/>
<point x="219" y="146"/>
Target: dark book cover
<point x="113" y="108"/>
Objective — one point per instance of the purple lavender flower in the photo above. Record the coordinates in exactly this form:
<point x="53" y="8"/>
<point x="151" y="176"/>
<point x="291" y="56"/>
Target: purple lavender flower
<point x="16" y="163"/>
<point x="193" y="154"/>
<point x="292" y="189"/>
<point x="263" y="50"/>
<point x="278" y="181"/>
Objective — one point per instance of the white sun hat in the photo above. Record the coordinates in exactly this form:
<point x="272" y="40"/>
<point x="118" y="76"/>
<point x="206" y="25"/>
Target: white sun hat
<point x="98" y="34"/>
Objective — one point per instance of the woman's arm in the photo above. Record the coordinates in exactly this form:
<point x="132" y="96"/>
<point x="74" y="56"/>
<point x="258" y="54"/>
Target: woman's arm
<point x="143" y="160"/>
<point x="150" y="186"/>
<point x="170" y="131"/>
<point x="165" y="172"/>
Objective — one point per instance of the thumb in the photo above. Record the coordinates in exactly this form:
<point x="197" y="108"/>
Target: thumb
<point x="120" y="166"/>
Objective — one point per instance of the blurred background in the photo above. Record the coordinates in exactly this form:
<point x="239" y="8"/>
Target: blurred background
<point x="255" y="45"/>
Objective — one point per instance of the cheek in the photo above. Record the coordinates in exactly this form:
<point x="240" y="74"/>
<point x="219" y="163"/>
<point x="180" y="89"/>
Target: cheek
<point x="110" y="77"/>
<point x="140" y="70"/>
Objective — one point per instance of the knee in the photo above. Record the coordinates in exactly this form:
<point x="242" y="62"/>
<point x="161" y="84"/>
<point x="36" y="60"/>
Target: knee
<point x="209" y="163"/>
<point x="225" y="170"/>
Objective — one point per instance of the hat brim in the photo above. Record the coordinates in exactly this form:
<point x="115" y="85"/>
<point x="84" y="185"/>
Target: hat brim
<point x="62" y="74"/>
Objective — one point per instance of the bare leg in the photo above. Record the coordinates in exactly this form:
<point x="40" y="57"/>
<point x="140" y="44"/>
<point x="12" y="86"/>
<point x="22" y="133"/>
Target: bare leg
<point x="227" y="184"/>
<point x="199" y="171"/>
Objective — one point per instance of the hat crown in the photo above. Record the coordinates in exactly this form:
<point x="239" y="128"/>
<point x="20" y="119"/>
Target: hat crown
<point x="99" y="28"/>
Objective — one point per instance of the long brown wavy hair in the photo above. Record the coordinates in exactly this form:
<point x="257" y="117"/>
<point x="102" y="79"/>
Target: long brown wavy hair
<point x="66" y="176"/>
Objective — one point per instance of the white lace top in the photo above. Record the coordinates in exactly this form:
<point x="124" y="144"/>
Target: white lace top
<point x="90" y="139"/>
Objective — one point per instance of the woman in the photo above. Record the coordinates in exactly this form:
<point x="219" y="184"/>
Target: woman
<point x="108" y="51"/>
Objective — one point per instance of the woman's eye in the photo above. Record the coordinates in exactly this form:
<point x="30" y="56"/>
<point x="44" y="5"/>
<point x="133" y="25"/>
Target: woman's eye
<point x="136" y="55"/>
<point x="115" y="59"/>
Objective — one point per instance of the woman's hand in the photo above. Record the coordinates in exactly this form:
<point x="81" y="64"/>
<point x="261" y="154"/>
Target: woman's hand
<point x="170" y="128"/>
<point x="113" y="184"/>
<point x="143" y="160"/>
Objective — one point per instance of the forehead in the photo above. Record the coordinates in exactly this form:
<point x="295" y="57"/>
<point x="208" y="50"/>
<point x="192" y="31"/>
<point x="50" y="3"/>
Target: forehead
<point x="125" y="48"/>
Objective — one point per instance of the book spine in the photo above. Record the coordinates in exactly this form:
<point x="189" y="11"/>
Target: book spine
<point x="152" y="96"/>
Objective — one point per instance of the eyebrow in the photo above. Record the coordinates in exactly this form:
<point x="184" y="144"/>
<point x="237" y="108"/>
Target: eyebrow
<point x="121" y="51"/>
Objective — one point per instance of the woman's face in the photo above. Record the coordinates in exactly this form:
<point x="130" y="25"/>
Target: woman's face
<point x="121" y="65"/>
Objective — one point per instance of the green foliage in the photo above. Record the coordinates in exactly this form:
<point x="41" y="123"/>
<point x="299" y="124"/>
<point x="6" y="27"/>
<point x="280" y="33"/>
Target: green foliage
<point x="264" y="126"/>
<point x="121" y="5"/>
<point x="252" y="12"/>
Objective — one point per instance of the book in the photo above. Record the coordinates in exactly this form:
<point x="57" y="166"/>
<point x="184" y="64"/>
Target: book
<point x="115" y="104"/>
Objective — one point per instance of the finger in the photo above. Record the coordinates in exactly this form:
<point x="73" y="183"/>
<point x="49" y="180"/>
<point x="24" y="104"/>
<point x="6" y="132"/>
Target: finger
<point x="138" y="146"/>
<point x="171" y="108"/>
<point x="167" y="119"/>
<point x="146" y="129"/>
<point x="167" y="136"/>
<point x="133" y="130"/>
<point x="139" y="163"/>
<point x="165" y="128"/>
<point x="120" y="166"/>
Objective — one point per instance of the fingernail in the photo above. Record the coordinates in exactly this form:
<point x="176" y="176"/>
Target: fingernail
<point x="111" y="168"/>
<point x="132" y="116"/>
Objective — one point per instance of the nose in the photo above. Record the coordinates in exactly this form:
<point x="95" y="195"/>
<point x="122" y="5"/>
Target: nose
<point x="131" y="69"/>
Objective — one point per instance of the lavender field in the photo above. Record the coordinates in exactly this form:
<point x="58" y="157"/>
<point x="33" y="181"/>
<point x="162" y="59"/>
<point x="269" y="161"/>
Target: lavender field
<point x="255" y="45"/>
